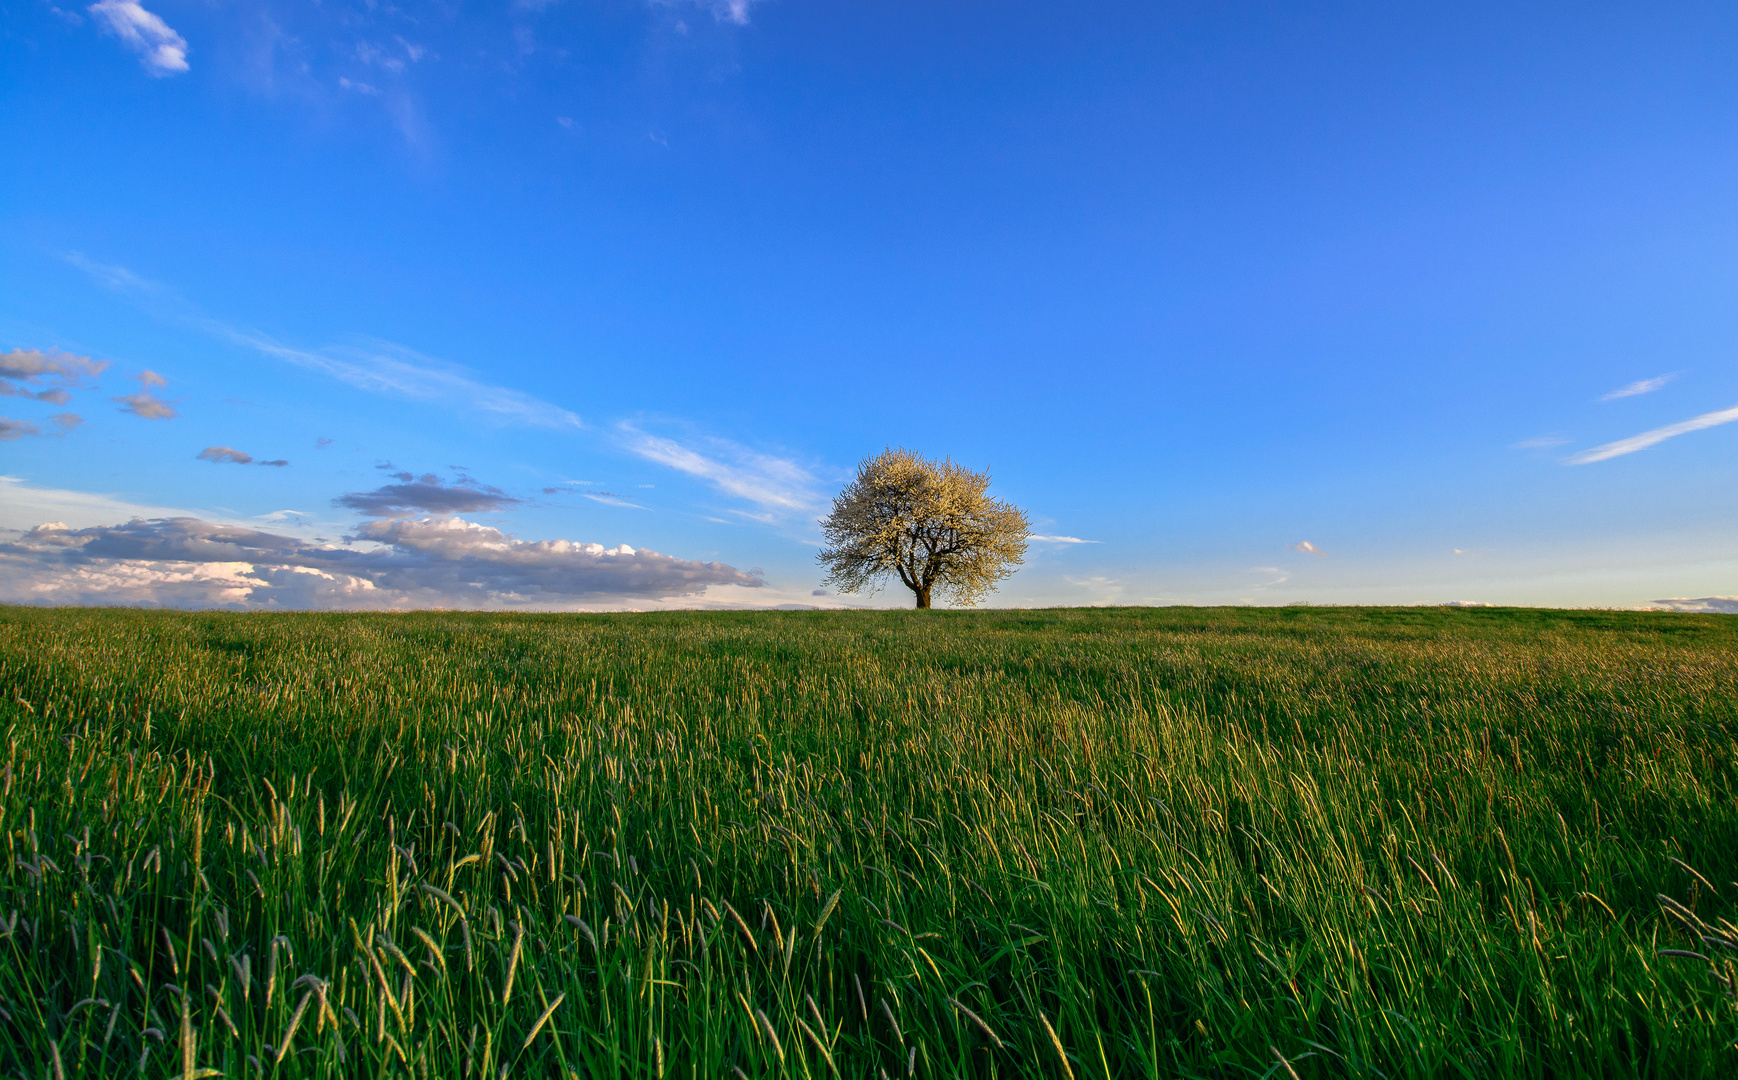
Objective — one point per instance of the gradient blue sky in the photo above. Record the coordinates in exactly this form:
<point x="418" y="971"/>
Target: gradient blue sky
<point x="1198" y="282"/>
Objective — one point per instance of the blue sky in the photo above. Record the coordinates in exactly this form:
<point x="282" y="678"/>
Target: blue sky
<point x="1264" y="304"/>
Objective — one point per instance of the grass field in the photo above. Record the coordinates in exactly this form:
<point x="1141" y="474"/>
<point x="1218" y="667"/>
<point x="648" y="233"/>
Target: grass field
<point x="1088" y="843"/>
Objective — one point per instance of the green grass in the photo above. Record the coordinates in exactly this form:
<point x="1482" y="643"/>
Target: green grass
<point x="1128" y="843"/>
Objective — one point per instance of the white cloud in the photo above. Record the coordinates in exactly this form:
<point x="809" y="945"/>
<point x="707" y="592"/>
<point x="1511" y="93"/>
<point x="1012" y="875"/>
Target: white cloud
<point x="1061" y="540"/>
<point x="431" y="562"/>
<point x="1307" y="548"/>
<point x="160" y="49"/>
<point x="1657" y="435"/>
<point x="1640" y="386"/>
<point x="781" y="487"/>
<point x="1718" y="605"/>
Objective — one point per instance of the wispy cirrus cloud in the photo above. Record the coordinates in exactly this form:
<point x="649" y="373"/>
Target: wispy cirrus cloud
<point x="780" y="491"/>
<point x="1035" y="538"/>
<point x="1640" y="386"/>
<point x="370" y="364"/>
<point x="160" y="49"/>
<point x="385" y="368"/>
<point x="780" y="487"/>
<point x="1539" y="442"/>
<point x="1653" y="438"/>
<point x="1307" y="548"/>
<point x="1275" y="577"/>
<point x="610" y="498"/>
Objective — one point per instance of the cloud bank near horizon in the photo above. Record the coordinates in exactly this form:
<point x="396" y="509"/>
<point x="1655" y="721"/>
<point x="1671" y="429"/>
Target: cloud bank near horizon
<point x="439" y="562"/>
<point x="1708" y="605"/>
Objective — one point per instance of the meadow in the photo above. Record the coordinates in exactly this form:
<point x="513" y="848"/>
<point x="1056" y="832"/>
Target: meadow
<point x="1300" y="842"/>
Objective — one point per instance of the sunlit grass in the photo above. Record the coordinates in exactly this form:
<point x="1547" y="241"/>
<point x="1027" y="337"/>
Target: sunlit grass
<point x="1118" y="843"/>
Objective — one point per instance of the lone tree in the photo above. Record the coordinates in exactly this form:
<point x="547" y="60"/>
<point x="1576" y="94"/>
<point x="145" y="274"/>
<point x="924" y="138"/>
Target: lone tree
<point x="927" y="521"/>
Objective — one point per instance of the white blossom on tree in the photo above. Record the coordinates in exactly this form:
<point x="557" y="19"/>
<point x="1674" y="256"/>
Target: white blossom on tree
<point x="930" y="523"/>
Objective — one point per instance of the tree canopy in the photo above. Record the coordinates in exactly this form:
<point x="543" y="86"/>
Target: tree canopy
<point x="930" y="523"/>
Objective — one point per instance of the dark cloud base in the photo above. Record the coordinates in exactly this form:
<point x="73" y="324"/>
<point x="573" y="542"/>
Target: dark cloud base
<point x="443" y="562"/>
<point x="426" y="494"/>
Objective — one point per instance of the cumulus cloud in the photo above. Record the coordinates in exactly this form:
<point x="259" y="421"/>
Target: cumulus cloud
<point x="432" y="562"/>
<point x="1657" y="435"/>
<point x="427" y="494"/>
<point x="45" y="376"/>
<point x="1640" y="386"/>
<point x="160" y="49"/>
<point x="145" y="404"/>
<point x="1307" y="548"/>
<point x="17" y="429"/>
<point x="220" y="454"/>
<point x="1712" y="605"/>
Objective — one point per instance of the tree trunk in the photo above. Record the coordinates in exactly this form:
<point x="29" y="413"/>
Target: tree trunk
<point x="922" y="597"/>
